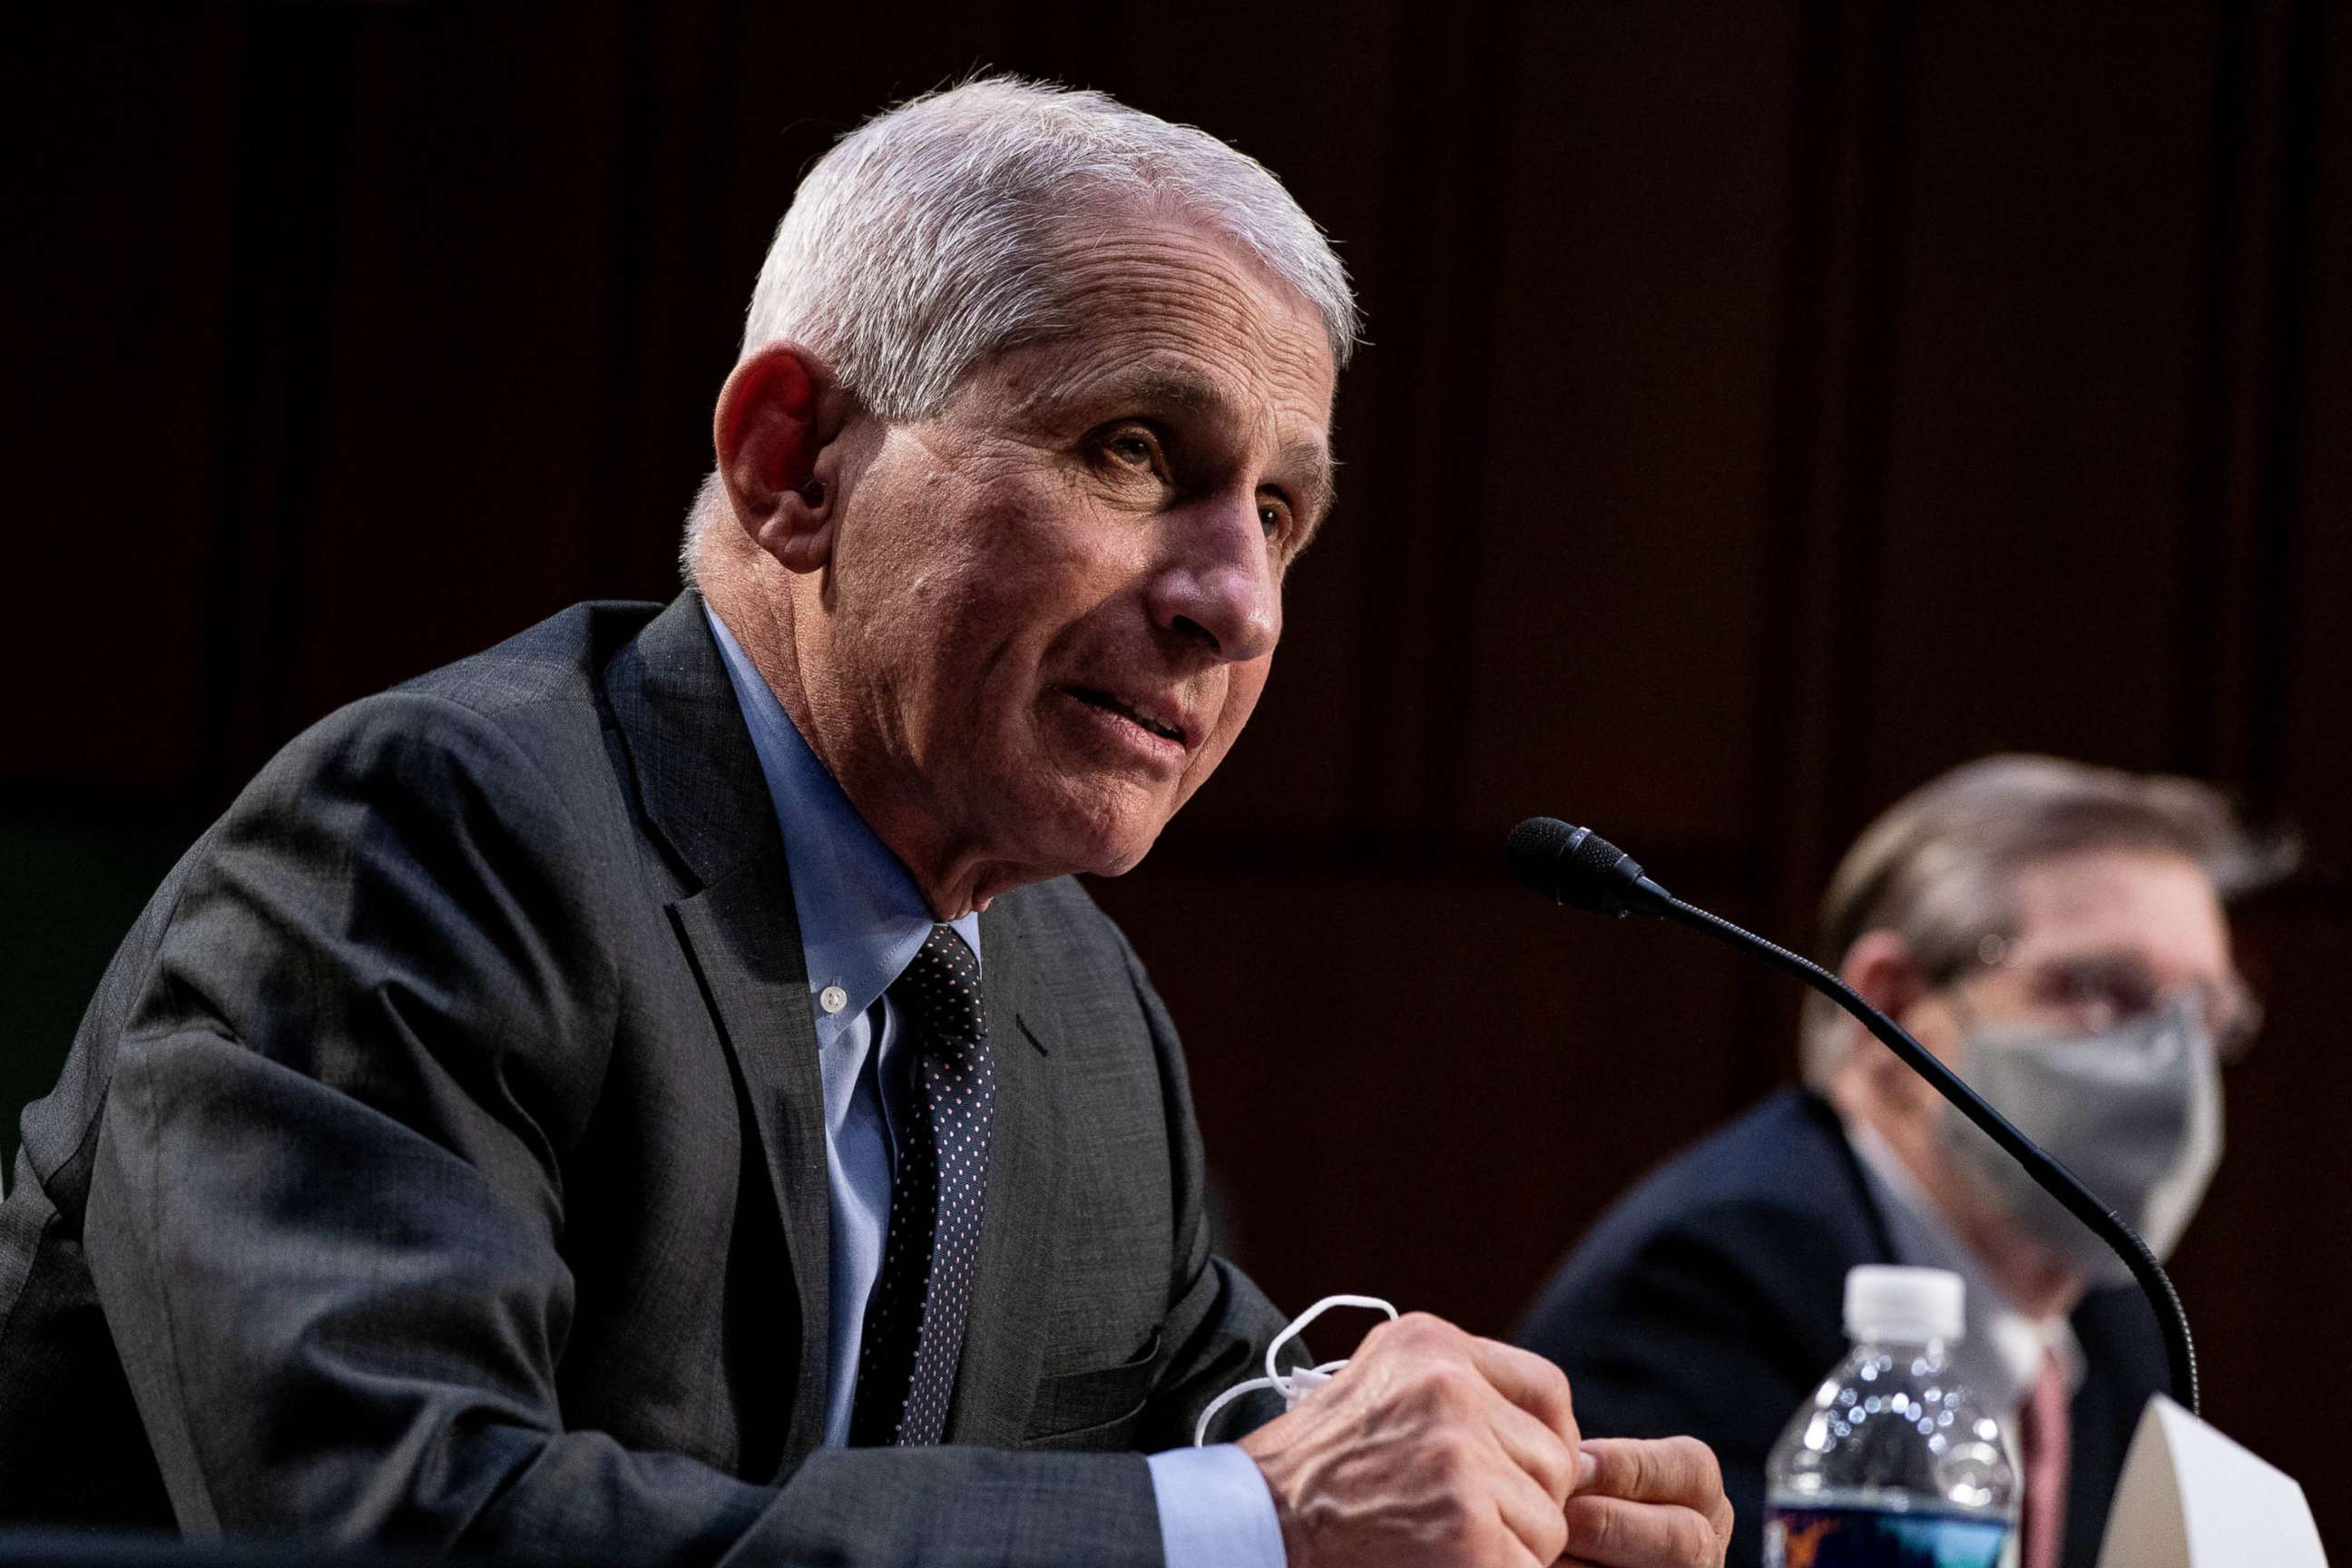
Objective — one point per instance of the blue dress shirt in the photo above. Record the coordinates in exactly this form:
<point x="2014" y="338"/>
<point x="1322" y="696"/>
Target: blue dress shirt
<point x="862" y="920"/>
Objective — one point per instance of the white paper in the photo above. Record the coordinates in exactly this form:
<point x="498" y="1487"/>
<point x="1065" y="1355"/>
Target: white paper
<point x="2191" y="1497"/>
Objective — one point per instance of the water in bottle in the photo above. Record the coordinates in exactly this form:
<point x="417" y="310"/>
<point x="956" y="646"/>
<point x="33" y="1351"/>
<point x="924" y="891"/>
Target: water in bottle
<point x="1890" y="1464"/>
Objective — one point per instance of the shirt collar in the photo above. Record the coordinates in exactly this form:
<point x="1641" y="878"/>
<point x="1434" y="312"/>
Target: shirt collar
<point x="2002" y="1349"/>
<point x="861" y="919"/>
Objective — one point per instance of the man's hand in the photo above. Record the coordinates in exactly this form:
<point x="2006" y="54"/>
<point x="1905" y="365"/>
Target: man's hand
<point x="1430" y="1449"/>
<point x="1648" y="1504"/>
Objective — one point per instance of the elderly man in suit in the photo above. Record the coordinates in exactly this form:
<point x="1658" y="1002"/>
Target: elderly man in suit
<point x="2055" y="933"/>
<point x="650" y="1093"/>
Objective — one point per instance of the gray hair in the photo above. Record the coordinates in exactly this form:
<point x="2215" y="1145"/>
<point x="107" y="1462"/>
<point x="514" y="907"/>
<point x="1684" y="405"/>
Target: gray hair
<point x="1940" y="867"/>
<point x="926" y="239"/>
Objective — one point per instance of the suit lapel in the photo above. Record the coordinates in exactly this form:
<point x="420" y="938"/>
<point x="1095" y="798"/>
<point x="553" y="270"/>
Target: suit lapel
<point x="706" y="798"/>
<point x="996" y="1376"/>
<point x="697" y="778"/>
<point x="744" y="941"/>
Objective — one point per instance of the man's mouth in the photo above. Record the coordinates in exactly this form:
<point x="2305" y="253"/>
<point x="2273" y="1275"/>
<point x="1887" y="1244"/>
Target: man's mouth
<point x="1109" y="703"/>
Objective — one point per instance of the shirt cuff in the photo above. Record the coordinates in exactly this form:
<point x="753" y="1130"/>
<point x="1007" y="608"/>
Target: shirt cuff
<point x="1215" y="1510"/>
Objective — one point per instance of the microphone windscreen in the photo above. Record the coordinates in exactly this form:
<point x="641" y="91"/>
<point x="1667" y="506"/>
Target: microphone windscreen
<point x="1572" y="865"/>
<point x="1534" y="850"/>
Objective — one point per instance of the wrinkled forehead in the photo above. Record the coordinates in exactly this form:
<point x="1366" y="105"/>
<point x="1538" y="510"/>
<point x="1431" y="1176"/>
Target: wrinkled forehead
<point x="2152" y="904"/>
<point x="1146" y="292"/>
<point x="1095" y="224"/>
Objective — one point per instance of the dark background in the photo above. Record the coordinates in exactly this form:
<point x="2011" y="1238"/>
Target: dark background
<point x="1765" y="409"/>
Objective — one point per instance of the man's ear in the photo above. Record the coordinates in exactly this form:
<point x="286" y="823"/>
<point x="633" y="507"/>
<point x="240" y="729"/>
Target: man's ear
<point x="1880" y="965"/>
<point x="774" y="429"/>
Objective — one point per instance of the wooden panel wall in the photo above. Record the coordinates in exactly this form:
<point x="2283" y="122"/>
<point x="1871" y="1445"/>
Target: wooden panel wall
<point x="1766" y="408"/>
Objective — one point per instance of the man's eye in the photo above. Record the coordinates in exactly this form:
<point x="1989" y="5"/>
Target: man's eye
<point x="1274" y="516"/>
<point x="1135" y="449"/>
<point x="2111" y="990"/>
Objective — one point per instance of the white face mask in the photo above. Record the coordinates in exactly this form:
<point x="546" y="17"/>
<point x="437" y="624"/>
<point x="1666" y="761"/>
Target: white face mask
<point x="2135" y="1112"/>
<point x="1299" y="1382"/>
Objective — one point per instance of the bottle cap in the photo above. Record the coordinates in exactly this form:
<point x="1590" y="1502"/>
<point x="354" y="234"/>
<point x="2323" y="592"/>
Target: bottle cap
<point x="1903" y="1305"/>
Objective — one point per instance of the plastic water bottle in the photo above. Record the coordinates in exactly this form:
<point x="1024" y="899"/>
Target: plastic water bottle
<point x="1891" y="1465"/>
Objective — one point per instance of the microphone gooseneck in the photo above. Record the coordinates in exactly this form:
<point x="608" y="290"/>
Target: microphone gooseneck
<point x="1576" y="866"/>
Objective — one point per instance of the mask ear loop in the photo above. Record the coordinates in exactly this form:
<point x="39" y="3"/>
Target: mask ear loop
<point x="1294" y="1385"/>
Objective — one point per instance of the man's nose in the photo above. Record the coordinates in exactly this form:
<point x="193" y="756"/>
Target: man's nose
<point x="1215" y="584"/>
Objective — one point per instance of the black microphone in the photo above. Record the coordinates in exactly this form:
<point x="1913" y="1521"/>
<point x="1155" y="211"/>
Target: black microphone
<point x="1577" y="866"/>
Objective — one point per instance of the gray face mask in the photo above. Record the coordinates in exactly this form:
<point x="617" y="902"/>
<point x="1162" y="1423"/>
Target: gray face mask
<point x="2135" y="1112"/>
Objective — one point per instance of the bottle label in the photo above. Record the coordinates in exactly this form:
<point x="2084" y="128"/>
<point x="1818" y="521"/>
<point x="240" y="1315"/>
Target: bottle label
<point x="1873" y="1538"/>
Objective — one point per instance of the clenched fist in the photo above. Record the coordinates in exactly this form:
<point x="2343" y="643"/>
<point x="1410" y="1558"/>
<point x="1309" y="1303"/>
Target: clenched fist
<point x="1432" y="1449"/>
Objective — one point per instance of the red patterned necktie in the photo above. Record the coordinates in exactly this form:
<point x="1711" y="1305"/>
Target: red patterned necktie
<point x="914" y="1321"/>
<point x="2041" y="1442"/>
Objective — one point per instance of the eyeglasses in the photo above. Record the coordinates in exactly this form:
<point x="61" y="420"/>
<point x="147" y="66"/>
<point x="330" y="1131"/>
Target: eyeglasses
<point x="2099" y="992"/>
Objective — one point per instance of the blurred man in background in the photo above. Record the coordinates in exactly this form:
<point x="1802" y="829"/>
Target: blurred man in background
<point x="2054" y="932"/>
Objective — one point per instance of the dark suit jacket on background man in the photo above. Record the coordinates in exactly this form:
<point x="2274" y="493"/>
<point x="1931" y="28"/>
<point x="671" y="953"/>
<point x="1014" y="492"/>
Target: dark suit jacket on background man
<point x="457" y="1092"/>
<point x="1710" y="1300"/>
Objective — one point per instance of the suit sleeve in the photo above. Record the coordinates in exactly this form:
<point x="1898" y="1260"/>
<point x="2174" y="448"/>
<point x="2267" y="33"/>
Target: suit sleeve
<point x="1687" y="1329"/>
<point x="327" y="1217"/>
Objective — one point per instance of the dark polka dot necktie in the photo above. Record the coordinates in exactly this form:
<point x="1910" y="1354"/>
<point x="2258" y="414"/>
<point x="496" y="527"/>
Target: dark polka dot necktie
<point x="914" y="1322"/>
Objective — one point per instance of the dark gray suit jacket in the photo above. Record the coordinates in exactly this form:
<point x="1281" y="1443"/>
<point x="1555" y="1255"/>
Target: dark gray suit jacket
<point x="441" y="1162"/>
